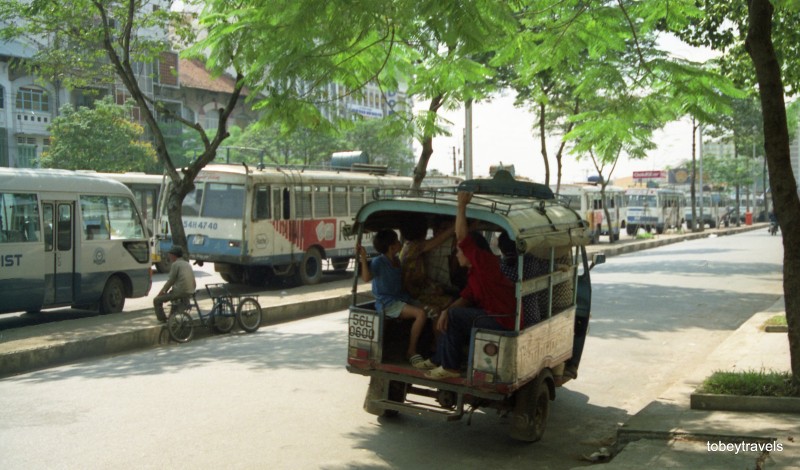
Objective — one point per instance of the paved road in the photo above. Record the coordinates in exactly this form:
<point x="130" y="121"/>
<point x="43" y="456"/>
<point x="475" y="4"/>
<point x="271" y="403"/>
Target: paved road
<point x="281" y="398"/>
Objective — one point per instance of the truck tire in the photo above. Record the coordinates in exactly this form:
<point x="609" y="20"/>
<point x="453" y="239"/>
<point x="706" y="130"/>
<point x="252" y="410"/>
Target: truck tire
<point x="532" y="407"/>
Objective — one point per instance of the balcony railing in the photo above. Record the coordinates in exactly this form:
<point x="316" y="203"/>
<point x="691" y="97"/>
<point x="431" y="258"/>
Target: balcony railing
<point x="32" y="122"/>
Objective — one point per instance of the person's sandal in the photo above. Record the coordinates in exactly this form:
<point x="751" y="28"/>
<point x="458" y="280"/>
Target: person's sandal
<point x="427" y="364"/>
<point x="430" y="312"/>
<point x="416" y="360"/>
<point x="440" y="373"/>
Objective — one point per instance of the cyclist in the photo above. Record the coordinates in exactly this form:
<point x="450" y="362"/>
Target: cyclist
<point x="181" y="280"/>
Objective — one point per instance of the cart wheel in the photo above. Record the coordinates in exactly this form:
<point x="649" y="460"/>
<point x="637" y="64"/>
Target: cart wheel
<point x="249" y="314"/>
<point x="223" y="317"/>
<point x="532" y="408"/>
<point x="179" y="325"/>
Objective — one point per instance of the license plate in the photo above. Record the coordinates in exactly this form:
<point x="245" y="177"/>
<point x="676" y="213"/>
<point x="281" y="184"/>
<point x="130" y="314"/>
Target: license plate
<point x="198" y="240"/>
<point x="362" y="326"/>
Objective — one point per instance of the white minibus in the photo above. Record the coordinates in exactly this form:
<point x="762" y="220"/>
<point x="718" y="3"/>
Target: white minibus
<point x="69" y="239"/>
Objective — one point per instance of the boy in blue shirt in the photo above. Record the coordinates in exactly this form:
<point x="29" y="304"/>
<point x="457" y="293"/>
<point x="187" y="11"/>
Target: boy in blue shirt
<point x="387" y="287"/>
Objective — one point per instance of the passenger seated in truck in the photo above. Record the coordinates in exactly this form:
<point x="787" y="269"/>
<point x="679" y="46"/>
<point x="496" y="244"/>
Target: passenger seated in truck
<point x="441" y="264"/>
<point x="486" y="302"/>
<point x="391" y="299"/>
<point x="531" y="267"/>
<point x="415" y="276"/>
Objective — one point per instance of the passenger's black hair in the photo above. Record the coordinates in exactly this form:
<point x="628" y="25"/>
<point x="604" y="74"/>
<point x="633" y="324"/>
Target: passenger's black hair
<point x="383" y="240"/>
<point x="414" y="229"/>
<point x="480" y="241"/>
<point x="507" y="247"/>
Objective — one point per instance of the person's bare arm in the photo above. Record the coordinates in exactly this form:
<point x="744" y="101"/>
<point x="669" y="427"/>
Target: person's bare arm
<point x="440" y="238"/>
<point x="366" y="275"/>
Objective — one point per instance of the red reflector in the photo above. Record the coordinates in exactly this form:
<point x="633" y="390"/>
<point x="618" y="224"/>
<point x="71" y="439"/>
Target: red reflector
<point x="362" y="353"/>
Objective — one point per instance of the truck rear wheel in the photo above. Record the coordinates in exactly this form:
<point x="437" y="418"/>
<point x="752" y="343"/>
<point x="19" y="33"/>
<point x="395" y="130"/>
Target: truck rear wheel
<point x="531" y="408"/>
<point x="383" y="389"/>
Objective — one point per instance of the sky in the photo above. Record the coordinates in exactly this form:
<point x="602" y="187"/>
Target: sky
<point x="502" y="133"/>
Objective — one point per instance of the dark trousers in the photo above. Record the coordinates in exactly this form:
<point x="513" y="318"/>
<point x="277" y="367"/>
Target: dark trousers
<point x="460" y="321"/>
<point x="158" y="303"/>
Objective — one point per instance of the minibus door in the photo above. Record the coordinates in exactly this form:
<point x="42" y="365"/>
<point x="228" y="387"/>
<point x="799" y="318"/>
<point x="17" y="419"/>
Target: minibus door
<point x="59" y="251"/>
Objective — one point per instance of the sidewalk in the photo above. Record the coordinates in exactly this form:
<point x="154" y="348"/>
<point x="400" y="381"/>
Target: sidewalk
<point x="667" y="433"/>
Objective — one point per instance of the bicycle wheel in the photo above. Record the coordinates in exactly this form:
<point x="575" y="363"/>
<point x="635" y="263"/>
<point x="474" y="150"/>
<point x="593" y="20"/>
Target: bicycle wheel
<point x="180" y="327"/>
<point x="249" y="314"/>
<point x="223" y="317"/>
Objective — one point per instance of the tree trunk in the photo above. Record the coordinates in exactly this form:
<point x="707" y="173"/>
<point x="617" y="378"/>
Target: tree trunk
<point x="427" y="143"/>
<point x="776" y="145"/>
<point x="543" y="140"/>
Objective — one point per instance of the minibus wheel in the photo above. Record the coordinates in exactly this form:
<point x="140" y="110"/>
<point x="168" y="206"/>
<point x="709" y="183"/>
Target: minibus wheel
<point x="113" y="297"/>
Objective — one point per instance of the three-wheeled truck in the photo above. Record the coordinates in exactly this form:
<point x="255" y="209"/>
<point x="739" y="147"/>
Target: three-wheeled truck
<point x="515" y="372"/>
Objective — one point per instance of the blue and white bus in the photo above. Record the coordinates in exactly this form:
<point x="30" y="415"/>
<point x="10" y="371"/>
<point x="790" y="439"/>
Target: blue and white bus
<point x="69" y="239"/>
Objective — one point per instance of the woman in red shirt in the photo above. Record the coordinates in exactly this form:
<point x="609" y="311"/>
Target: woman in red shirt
<point x="488" y="300"/>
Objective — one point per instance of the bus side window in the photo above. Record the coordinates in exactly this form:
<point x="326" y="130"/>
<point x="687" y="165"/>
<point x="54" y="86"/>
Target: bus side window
<point x="287" y="201"/>
<point x="356" y="199"/>
<point x="47" y="216"/>
<point x="339" y="201"/>
<point x="64" y="234"/>
<point x="261" y="209"/>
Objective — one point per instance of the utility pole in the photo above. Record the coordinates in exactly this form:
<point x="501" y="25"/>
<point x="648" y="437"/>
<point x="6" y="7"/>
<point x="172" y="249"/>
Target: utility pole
<point x="700" y="154"/>
<point x="468" y="140"/>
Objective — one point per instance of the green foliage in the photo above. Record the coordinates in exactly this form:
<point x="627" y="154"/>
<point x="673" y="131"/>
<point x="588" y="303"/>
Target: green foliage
<point x="102" y="138"/>
<point x="304" y="45"/>
<point x="723" y="27"/>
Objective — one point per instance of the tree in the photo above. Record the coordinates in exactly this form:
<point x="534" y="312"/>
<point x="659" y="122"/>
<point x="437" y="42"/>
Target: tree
<point x="383" y="141"/>
<point x="91" y="43"/>
<point x="102" y="138"/>
<point x="761" y="49"/>
<point x="296" y="48"/>
<point x="760" y="42"/>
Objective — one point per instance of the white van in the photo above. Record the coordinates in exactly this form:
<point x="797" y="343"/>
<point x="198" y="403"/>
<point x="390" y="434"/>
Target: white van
<point x="69" y="239"/>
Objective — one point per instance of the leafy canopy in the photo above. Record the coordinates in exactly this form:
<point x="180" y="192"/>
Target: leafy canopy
<point x="102" y="138"/>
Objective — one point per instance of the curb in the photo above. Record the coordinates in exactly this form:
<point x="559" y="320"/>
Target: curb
<point x="707" y="401"/>
<point x="138" y="336"/>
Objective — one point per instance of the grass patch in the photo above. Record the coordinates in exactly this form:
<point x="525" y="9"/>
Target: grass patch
<point x="644" y="236"/>
<point x="751" y="383"/>
<point x="777" y="320"/>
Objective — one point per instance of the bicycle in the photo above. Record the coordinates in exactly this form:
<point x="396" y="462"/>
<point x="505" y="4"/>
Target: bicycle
<point x="225" y="312"/>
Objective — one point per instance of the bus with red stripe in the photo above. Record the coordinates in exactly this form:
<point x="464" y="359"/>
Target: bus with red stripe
<point x="258" y="224"/>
